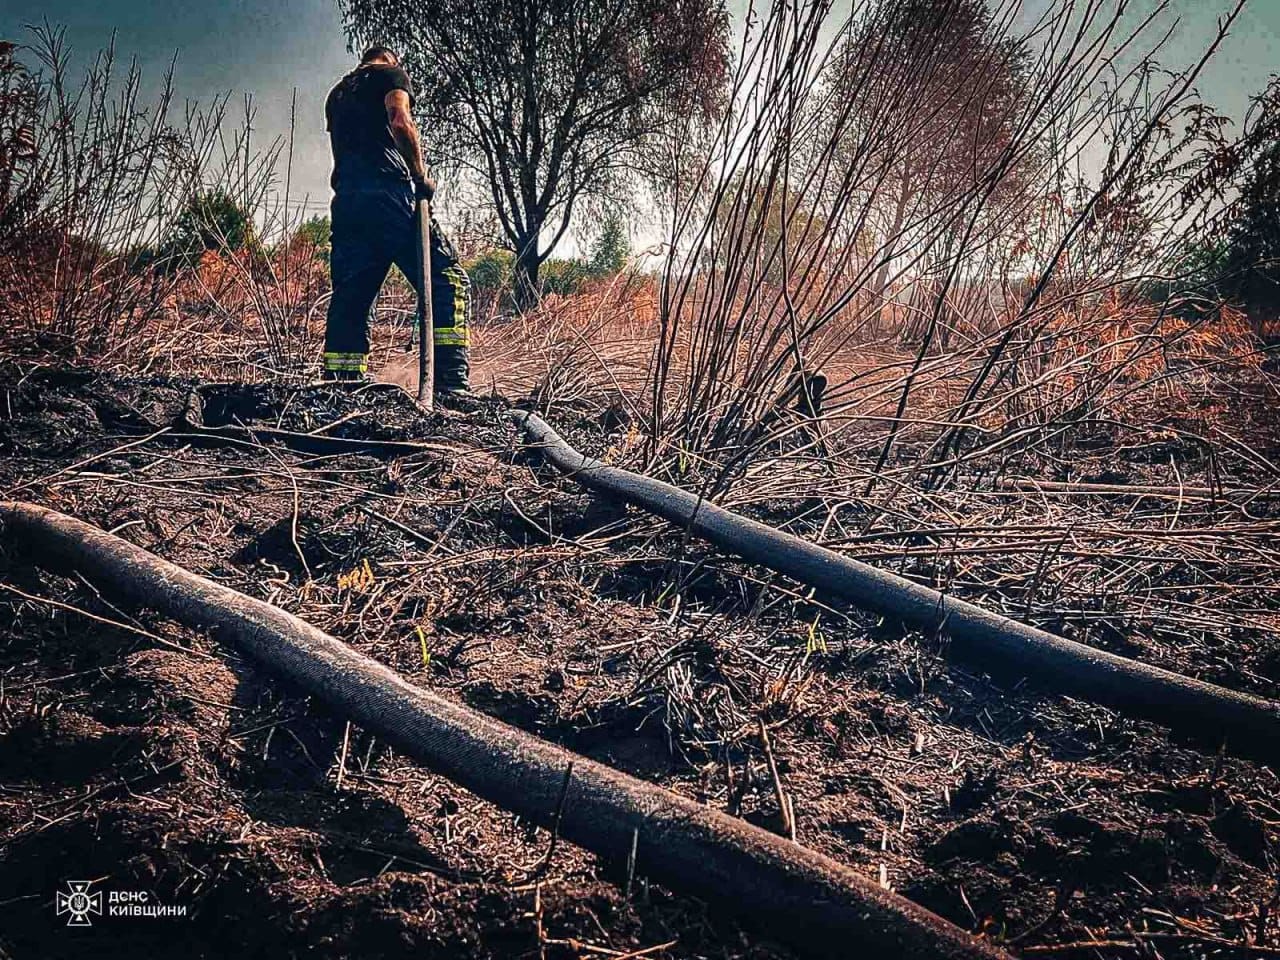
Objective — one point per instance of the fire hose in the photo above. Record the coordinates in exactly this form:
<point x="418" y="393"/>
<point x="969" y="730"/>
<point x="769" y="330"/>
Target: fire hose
<point x="1247" y="724"/>
<point x="793" y="894"/>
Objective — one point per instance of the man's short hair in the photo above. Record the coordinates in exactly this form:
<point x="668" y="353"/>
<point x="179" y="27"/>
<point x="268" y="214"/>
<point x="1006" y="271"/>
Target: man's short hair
<point x="373" y="53"/>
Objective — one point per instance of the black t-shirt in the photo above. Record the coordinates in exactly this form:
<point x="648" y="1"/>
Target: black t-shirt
<point x="364" y="152"/>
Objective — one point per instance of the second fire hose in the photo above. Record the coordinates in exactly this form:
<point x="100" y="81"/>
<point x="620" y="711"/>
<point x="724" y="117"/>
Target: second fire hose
<point x="1247" y="724"/>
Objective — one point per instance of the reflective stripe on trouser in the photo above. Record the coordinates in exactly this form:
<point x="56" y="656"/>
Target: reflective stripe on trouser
<point x="356" y="362"/>
<point x="373" y="228"/>
<point x="450" y="306"/>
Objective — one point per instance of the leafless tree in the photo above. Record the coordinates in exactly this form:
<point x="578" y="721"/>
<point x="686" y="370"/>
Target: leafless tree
<point x="942" y="87"/>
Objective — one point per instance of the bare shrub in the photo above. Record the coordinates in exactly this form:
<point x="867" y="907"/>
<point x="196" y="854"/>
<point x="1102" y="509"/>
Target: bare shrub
<point x="98" y="186"/>
<point x="101" y="175"/>
<point x="930" y="179"/>
<point x="269" y="284"/>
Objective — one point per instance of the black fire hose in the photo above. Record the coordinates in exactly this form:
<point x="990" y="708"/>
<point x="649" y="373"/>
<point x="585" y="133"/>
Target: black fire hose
<point x="1248" y="724"/>
<point x="791" y="893"/>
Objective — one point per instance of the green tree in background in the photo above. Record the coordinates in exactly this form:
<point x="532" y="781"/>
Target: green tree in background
<point x="494" y="270"/>
<point x="564" y="275"/>
<point x="491" y="270"/>
<point x="211" y="221"/>
<point x="316" y="233"/>
<point x="1233" y="249"/>
<point x="612" y="248"/>
<point x="1252" y="260"/>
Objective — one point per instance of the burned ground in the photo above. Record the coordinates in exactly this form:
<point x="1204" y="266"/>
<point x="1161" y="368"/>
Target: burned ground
<point x="150" y="757"/>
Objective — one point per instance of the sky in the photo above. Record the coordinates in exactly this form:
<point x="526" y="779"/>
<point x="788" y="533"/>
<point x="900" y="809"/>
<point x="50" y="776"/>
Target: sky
<point x="270" y="48"/>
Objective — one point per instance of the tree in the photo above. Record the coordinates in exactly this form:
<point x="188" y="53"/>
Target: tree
<point x="1235" y="248"/>
<point x="316" y="233"/>
<point x="1253" y="239"/>
<point x="211" y="220"/>
<point x="550" y="102"/>
<point x="490" y="271"/>
<point x="936" y="106"/>
<point x="20" y="183"/>
<point x="611" y="249"/>
<point x="768" y="224"/>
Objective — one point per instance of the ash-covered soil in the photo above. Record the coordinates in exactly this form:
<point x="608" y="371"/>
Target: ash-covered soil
<point x="147" y="757"/>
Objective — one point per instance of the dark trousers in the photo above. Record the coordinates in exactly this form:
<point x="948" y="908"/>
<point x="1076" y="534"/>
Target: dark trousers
<point x="372" y="229"/>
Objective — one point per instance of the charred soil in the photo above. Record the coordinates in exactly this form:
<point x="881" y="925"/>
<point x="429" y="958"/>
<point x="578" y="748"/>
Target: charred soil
<point x="147" y="757"/>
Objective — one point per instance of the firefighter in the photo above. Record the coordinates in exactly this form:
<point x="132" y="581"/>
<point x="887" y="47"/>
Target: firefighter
<point x="378" y="173"/>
